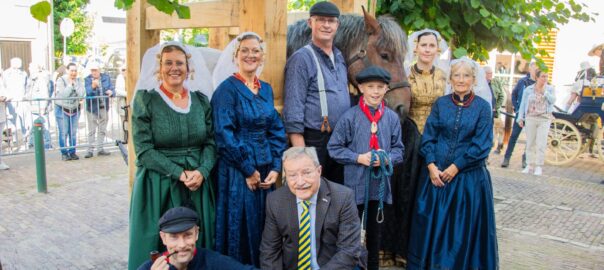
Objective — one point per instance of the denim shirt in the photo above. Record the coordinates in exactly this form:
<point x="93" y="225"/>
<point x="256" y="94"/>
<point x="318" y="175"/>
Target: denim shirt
<point x="550" y="98"/>
<point x="302" y="107"/>
<point x="92" y="103"/>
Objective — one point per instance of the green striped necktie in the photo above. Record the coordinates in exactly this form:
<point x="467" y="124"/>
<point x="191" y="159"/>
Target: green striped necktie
<point x="304" y="238"/>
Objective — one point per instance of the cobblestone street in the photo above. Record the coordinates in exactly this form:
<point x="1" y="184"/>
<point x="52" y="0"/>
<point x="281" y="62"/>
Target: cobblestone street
<point x="555" y="221"/>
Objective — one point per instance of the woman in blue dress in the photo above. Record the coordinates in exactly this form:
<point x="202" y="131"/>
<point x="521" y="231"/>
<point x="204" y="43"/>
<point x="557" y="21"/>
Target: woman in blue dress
<point x="251" y="139"/>
<point x="453" y="225"/>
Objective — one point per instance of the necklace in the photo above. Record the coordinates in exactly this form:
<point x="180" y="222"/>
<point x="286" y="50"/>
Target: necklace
<point x="464" y="103"/>
<point x="172" y="95"/>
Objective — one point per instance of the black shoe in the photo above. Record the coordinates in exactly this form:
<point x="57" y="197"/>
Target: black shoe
<point x="505" y="163"/>
<point x="65" y="157"/>
<point x="103" y="153"/>
<point x="498" y="150"/>
<point x="74" y="156"/>
<point x="88" y="155"/>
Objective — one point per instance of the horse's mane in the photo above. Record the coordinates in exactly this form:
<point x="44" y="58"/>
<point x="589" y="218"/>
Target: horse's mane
<point x="351" y="34"/>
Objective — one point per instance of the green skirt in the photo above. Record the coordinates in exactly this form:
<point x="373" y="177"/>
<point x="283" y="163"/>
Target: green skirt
<point x="153" y="194"/>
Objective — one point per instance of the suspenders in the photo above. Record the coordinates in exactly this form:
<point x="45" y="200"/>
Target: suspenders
<point x="322" y="96"/>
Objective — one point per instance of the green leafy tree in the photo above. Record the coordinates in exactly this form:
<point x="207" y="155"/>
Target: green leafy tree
<point x="475" y="27"/>
<point x="73" y="9"/>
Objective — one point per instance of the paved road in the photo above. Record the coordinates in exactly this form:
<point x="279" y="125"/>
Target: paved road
<point x="555" y="221"/>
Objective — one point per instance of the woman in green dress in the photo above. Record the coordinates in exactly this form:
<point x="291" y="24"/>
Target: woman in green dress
<point x="174" y="144"/>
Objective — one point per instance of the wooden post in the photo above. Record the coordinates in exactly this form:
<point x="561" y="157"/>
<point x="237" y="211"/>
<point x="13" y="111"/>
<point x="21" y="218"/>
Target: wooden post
<point x="218" y="37"/>
<point x="268" y="18"/>
<point x="138" y="40"/>
<point x="354" y="6"/>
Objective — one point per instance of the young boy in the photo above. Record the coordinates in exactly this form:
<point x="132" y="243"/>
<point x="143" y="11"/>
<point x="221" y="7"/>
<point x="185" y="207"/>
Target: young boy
<point x="365" y="130"/>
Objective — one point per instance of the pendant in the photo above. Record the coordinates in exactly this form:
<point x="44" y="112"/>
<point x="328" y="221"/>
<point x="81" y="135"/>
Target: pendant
<point x="373" y="127"/>
<point x="176" y="96"/>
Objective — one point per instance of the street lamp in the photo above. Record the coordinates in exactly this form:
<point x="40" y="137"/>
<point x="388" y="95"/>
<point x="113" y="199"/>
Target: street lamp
<point x="67" y="26"/>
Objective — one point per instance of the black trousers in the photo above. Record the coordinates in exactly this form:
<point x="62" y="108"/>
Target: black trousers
<point x="373" y="234"/>
<point x="332" y="170"/>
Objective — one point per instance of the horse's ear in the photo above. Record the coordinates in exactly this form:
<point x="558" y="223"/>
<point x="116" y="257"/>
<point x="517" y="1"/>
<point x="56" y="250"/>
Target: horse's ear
<point x="372" y="26"/>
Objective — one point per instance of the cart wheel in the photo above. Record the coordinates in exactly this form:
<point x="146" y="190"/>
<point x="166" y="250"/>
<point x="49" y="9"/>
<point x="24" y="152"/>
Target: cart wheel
<point x="563" y="142"/>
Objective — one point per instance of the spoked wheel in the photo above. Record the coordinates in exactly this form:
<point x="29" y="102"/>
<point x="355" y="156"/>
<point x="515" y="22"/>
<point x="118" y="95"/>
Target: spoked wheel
<point x="563" y="142"/>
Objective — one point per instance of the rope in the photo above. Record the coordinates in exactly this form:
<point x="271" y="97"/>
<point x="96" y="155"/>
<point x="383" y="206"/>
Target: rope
<point x="380" y="174"/>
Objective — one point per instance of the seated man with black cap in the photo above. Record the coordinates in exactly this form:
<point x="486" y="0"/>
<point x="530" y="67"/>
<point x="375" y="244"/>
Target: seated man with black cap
<point x="367" y="140"/>
<point x="178" y="229"/>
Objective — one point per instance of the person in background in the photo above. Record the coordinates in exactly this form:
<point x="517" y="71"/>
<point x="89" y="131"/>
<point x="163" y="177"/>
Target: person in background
<point x="38" y="91"/>
<point x="121" y="94"/>
<point x="453" y="226"/>
<point x="583" y="78"/>
<point x="496" y="86"/>
<point x="3" y="99"/>
<point x="98" y="90"/>
<point x="179" y="230"/>
<point x="15" y="83"/>
<point x="250" y="138"/>
<point x="535" y="113"/>
<point x="529" y="79"/>
<point x="69" y="92"/>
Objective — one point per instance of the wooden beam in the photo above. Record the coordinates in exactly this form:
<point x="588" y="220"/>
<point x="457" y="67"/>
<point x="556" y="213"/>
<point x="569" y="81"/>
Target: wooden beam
<point x="268" y="18"/>
<point x="218" y="37"/>
<point x="203" y="14"/>
<point x="138" y="40"/>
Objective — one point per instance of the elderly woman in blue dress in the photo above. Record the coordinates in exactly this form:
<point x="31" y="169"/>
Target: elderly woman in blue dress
<point x="453" y="225"/>
<point x="251" y="139"/>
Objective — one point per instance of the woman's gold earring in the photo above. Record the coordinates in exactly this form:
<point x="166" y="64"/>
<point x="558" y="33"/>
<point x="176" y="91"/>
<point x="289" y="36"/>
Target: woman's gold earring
<point x="191" y="74"/>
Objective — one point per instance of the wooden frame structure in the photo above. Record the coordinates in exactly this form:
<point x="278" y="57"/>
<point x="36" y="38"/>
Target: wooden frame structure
<point x="224" y="18"/>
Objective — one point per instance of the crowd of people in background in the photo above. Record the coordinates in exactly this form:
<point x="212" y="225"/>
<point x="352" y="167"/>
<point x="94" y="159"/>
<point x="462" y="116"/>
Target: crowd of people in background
<point x="39" y="95"/>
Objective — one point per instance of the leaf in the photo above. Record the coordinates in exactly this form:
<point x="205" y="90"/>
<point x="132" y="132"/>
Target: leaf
<point x="484" y="13"/>
<point x="441" y="22"/>
<point x="182" y="11"/>
<point x="40" y="11"/>
<point x="460" y="52"/>
<point x="419" y="23"/>
<point x="475" y="3"/>
<point x="517" y="28"/>
<point x="123" y="4"/>
<point x="164" y="6"/>
<point x="471" y="18"/>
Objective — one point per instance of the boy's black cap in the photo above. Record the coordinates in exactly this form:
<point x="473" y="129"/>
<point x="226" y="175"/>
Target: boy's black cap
<point x="325" y="9"/>
<point x="373" y="73"/>
<point x="178" y="219"/>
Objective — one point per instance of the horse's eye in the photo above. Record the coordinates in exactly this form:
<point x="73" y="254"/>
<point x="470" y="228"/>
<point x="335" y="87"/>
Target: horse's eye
<point x="384" y="56"/>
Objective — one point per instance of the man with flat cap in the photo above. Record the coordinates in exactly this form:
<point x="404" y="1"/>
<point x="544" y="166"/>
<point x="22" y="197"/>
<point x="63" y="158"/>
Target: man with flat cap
<point x="178" y="230"/>
<point x="316" y="88"/>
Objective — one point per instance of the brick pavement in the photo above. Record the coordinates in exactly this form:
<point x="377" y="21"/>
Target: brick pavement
<point x="555" y="221"/>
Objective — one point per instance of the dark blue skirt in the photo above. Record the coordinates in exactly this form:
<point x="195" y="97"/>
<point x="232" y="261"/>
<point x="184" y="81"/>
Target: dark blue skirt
<point x="453" y="227"/>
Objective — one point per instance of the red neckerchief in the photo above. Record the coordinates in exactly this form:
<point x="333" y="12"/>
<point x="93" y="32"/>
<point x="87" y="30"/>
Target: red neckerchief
<point x="374" y="119"/>
<point x="256" y="81"/>
<point x="172" y="96"/>
<point x="463" y="103"/>
<point x="166" y="253"/>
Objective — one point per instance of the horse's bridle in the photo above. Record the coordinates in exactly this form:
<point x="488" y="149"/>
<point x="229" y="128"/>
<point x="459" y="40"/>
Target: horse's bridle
<point x="362" y="55"/>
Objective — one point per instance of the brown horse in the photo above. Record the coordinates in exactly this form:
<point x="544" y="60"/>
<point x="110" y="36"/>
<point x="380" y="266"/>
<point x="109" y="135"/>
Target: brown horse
<point x="365" y="41"/>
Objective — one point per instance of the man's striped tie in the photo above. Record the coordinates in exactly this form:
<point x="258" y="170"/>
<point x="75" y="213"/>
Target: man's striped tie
<point x="304" y="238"/>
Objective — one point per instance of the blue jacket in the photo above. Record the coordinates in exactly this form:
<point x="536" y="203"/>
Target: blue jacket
<point x="92" y="102"/>
<point x="550" y="97"/>
<point x="207" y="259"/>
<point x="518" y="89"/>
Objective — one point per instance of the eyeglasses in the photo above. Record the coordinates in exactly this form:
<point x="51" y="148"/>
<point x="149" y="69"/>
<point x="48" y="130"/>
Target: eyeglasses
<point x="326" y="20"/>
<point x="304" y="173"/>
<point x="247" y="51"/>
<point x="170" y="63"/>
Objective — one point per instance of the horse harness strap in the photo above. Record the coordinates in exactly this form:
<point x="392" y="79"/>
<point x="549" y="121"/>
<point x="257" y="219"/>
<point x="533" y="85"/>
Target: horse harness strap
<point x="325" y="127"/>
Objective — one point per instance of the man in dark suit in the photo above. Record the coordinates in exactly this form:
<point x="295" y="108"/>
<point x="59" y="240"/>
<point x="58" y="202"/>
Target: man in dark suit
<point x="309" y="207"/>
